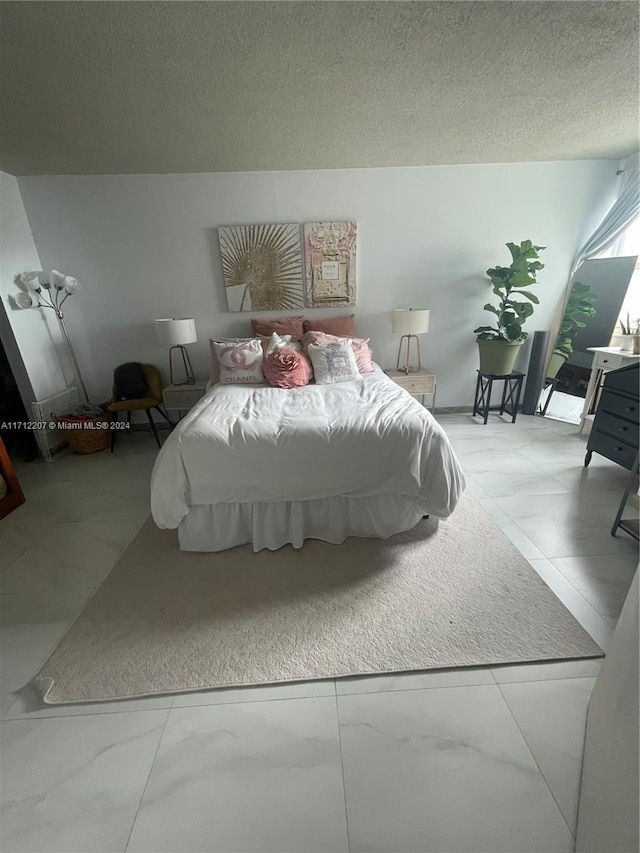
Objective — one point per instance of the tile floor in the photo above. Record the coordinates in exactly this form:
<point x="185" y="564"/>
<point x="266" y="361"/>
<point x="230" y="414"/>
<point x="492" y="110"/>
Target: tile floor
<point x="467" y="760"/>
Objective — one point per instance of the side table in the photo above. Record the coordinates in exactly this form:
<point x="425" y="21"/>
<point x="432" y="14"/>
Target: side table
<point x="510" y="394"/>
<point x="183" y="397"/>
<point x="417" y="383"/>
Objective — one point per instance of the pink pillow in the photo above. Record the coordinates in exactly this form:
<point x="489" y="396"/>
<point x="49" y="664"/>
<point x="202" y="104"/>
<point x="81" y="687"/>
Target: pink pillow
<point x="215" y="364"/>
<point x="360" y="346"/>
<point x="283" y="326"/>
<point x="342" y="326"/>
<point x="287" y="368"/>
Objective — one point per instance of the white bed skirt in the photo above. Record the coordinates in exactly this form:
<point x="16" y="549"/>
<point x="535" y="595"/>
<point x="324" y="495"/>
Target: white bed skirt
<point x="277" y="523"/>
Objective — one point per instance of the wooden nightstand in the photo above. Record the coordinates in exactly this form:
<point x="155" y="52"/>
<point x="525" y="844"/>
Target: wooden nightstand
<point x="181" y="398"/>
<point x="418" y="383"/>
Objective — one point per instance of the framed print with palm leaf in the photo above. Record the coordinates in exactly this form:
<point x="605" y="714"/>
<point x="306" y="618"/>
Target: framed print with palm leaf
<point x="262" y="266"/>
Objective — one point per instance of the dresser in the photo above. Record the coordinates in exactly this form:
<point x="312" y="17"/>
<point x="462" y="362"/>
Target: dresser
<point x="615" y="427"/>
<point x="604" y="360"/>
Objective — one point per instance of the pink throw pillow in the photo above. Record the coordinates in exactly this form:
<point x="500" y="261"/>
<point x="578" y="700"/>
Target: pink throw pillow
<point x="282" y="326"/>
<point x="287" y="368"/>
<point x="360" y="346"/>
<point x="342" y="326"/>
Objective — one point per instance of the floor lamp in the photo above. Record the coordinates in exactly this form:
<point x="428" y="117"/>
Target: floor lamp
<point x="51" y="290"/>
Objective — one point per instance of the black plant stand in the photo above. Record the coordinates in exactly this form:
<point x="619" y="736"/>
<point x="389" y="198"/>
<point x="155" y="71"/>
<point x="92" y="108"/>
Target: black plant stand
<point x="510" y="394"/>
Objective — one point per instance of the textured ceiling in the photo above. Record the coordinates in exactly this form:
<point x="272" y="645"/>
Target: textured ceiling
<point x="121" y="87"/>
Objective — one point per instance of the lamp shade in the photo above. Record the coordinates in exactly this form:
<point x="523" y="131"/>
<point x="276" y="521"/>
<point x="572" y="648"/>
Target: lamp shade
<point x="175" y="332"/>
<point x="410" y="321"/>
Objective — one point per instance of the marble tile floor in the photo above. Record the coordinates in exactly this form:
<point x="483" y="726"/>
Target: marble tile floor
<point x="484" y="759"/>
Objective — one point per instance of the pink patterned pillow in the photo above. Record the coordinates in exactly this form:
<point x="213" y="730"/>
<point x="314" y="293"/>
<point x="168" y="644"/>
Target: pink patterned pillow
<point x="215" y="364"/>
<point x="360" y="346"/>
<point x="240" y="363"/>
<point x="287" y="368"/>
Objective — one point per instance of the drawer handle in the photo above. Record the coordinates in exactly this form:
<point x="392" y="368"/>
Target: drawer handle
<point x="605" y="360"/>
<point x="619" y="449"/>
<point x="630" y="409"/>
<point x="622" y="429"/>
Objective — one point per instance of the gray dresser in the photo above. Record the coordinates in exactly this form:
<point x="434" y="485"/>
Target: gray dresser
<point x="615" y="428"/>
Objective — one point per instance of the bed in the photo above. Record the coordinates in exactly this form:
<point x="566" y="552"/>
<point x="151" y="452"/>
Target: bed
<point x="272" y="466"/>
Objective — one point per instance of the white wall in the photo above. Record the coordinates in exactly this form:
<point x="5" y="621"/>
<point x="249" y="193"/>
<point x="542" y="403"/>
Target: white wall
<point x="145" y="246"/>
<point x="36" y="334"/>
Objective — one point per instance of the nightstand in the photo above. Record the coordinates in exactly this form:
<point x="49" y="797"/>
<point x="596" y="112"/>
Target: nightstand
<point x="418" y="383"/>
<point x="181" y="398"/>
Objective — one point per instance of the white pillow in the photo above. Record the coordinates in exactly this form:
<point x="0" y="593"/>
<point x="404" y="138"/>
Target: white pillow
<point x="334" y="362"/>
<point x="280" y="341"/>
<point x="240" y="363"/>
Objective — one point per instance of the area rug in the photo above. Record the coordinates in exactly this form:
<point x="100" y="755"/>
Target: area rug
<point x="453" y="593"/>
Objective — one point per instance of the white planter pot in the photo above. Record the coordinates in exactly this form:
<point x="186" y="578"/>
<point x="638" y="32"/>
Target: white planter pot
<point x="627" y="343"/>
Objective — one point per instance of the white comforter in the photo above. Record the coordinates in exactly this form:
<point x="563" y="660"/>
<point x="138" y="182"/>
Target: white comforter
<point x="252" y="444"/>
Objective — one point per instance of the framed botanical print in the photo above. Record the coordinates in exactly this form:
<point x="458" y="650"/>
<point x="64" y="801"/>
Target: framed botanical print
<point x="262" y="266"/>
<point x="11" y="495"/>
<point x="330" y="263"/>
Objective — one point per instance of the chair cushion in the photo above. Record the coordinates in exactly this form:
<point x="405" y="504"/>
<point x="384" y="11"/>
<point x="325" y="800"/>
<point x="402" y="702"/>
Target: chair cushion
<point x="133" y="405"/>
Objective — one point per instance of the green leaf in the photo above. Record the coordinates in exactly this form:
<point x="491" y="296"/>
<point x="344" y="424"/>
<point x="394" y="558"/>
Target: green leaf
<point x="530" y="296"/>
<point x="489" y="307"/>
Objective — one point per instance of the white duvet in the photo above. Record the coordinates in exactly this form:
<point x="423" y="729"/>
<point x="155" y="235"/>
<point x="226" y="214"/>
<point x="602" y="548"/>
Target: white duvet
<point x="247" y="444"/>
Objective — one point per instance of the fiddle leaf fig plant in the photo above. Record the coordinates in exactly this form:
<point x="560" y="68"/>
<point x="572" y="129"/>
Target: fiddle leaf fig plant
<point x="511" y="285"/>
<point x="579" y="308"/>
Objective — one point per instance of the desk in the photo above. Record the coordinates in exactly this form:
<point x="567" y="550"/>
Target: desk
<point x="604" y="359"/>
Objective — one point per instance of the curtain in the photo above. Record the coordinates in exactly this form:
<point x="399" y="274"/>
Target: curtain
<point x="623" y="211"/>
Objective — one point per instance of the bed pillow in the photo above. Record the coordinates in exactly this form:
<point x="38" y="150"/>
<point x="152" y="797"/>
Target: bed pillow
<point x="334" y="362"/>
<point x="360" y="346"/>
<point x="282" y="326"/>
<point x="215" y="364"/>
<point x="285" y="367"/>
<point x="240" y="363"/>
<point x="277" y="341"/>
<point x="341" y="326"/>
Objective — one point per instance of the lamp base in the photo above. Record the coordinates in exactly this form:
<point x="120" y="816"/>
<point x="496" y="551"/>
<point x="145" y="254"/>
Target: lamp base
<point x="407" y="367"/>
<point x="189" y="378"/>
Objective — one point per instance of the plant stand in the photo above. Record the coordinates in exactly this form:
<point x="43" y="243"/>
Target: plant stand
<point x="510" y="394"/>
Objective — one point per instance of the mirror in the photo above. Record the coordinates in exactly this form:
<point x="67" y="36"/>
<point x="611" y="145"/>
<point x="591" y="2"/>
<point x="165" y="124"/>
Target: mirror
<point x="592" y="312"/>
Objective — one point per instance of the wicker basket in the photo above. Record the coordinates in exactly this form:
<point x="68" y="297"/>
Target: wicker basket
<point x="86" y="438"/>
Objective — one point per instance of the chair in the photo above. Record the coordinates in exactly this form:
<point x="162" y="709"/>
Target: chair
<point x="154" y="383"/>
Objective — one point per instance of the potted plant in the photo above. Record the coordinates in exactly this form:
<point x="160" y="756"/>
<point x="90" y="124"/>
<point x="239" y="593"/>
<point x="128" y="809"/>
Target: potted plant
<point x="579" y="305"/>
<point x="630" y="336"/>
<point x="499" y="344"/>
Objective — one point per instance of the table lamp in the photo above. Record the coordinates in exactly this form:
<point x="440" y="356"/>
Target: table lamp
<point x="175" y="333"/>
<point x="409" y="322"/>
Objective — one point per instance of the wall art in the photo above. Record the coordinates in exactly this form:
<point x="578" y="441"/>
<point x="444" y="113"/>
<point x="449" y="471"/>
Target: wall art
<point x="262" y="266"/>
<point x="330" y="263"/>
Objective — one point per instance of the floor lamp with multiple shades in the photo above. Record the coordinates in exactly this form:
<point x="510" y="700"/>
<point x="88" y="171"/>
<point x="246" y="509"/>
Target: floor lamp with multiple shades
<point x="409" y="322"/>
<point x="175" y="333"/>
<point x="51" y="289"/>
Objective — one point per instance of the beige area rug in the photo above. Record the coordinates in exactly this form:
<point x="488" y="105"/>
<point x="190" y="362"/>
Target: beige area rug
<point x="450" y="594"/>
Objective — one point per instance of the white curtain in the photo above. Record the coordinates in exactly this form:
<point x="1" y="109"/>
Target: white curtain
<point x="623" y="211"/>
